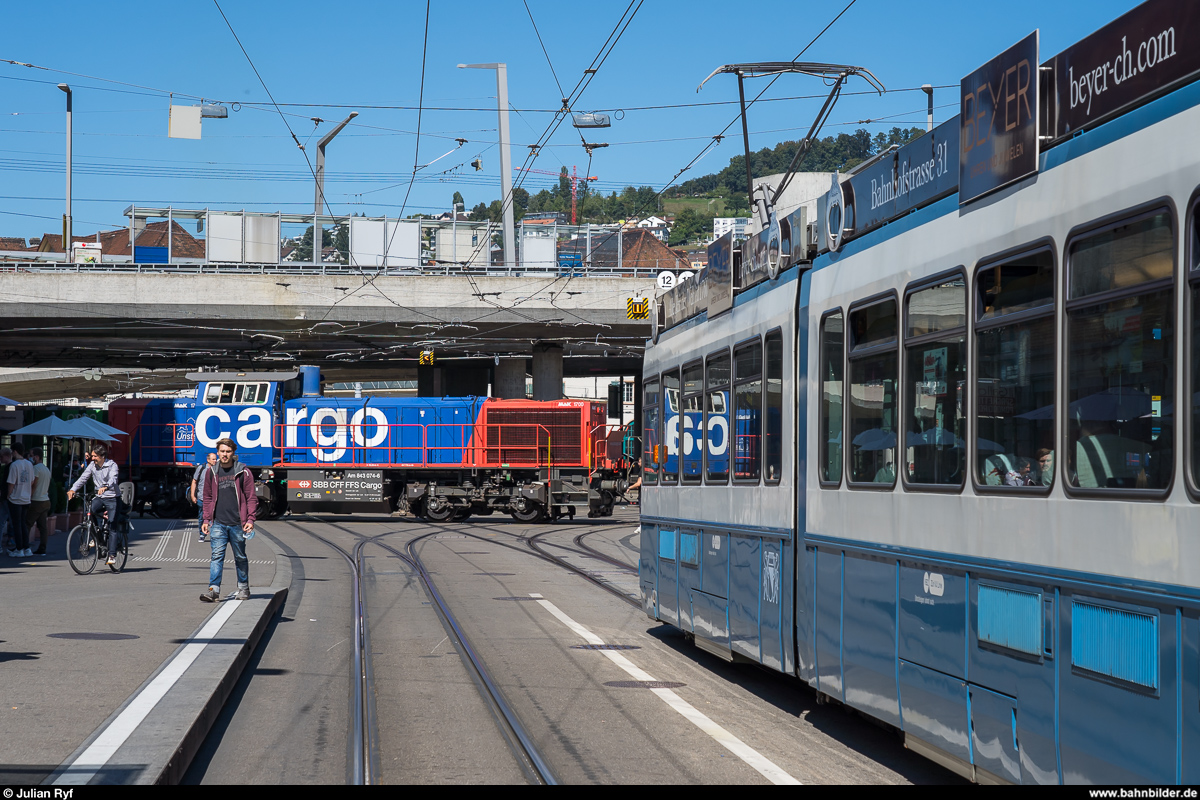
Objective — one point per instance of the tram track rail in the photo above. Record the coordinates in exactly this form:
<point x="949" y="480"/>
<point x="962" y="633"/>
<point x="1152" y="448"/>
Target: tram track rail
<point x="533" y="548"/>
<point x="578" y="541"/>
<point x="363" y="745"/>
<point x="532" y="762"/>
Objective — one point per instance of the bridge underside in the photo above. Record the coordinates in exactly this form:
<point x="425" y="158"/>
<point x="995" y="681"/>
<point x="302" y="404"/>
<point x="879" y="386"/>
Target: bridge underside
<point x="376" y="330"/>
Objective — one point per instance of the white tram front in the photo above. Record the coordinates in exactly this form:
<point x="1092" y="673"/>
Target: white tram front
<point x="985" y="524"/>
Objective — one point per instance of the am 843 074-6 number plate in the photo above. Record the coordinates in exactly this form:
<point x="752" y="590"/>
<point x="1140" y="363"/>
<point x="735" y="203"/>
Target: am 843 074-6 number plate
<point x="350" y="485"/>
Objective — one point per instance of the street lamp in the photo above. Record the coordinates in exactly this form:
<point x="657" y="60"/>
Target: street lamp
<point x="928" y="89"/>
<point x="319" y="173"/>
<point x="506" y="200"/>
<point x="454" y="230"/>
<point x="67" y="216"/>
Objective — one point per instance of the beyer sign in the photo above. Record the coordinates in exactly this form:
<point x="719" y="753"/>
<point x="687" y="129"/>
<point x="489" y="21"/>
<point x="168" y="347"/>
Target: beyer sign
<point x="998" y="122"/>
<point x="1134" y="57"/>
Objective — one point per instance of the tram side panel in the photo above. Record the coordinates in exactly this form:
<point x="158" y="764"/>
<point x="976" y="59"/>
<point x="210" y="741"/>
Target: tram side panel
<point x="718" y="546"/>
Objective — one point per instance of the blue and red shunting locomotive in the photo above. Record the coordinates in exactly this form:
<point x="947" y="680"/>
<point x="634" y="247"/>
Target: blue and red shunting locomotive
<point x="438" y="458"/>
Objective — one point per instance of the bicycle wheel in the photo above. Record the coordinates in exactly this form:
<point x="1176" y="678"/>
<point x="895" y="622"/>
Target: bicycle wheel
<point x="122" y="553"/>
<point x="81" y="549"/>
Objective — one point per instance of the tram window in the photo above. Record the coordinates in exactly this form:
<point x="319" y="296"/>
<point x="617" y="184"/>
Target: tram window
<point x="671" y="428"/>
<point x="717" y="418"/>
<point x="747" y="400"/>
<point x="936" y="376"/>
<point x="1015" y="372"/>
<point x="942" y="307"/>
<point x="874" y="325"/>
<point x="873" y="366"/>
<point x="773" y="436"/>
<point x="691" y="433"/>
<point x="1194" y="251"/>
<point x="651" y="449"/>
<point x="1120" y="357"/>
<point x="832" y="343"/>
<point x="1020" y="284"/>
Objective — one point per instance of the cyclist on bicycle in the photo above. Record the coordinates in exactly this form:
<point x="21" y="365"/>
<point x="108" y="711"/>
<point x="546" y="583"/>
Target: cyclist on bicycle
<point x="103" y="473"/>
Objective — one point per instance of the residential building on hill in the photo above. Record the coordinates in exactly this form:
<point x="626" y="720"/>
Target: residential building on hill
<point x="723" y="225"/>
<point x="153" y="238"/>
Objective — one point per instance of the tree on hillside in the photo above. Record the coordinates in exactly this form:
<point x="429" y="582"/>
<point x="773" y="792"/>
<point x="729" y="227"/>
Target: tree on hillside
<point x="458" y="200"/>
<point x="688" y="225"/>
<point x="520" y="201"/>
<point x="833" y="153"/>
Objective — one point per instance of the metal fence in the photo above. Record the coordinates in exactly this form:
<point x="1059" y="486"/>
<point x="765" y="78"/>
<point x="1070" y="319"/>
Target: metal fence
<point x="266" y="244"/>
<point x="204" y="268"/>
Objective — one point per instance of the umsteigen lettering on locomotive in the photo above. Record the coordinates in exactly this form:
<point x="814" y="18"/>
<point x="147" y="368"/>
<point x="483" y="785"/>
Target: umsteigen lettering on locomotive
<point x="440" y="458"/>
<point x="962" y="483"/>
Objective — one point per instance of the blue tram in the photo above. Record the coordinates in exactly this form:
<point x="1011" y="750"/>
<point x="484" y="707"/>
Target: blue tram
<point x="962" y="486"/>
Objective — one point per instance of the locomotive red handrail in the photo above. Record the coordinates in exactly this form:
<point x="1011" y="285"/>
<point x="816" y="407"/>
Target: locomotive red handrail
<point x="470" y="442"/>
<point x="158" y="448"/>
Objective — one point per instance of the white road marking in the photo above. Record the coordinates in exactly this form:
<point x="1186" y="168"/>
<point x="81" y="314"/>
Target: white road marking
<point x="184" y="541"/>
<point x="98" y="753"/>
<point x="723" y="737"/>
<point x="163" y="540"/>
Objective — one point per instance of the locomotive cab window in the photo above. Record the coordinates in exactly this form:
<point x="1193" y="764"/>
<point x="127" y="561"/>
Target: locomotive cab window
<point x="669" y="467"/>
<point x="651" y="442"/>
<point x="1121" y="356"/>
<point x="872" y="423"/>
<point x="935" y="383"/>
<point x="716" y="426"/>
<point x="236" y="394"/>
<point x="830" y="437"/>
<point x="747" y="398"/>
<point x="1015" y="372"/>
<point x="691" y="423"/>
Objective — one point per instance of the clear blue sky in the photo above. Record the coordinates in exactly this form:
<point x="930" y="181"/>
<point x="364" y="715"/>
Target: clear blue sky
<point x="364" y="53"/>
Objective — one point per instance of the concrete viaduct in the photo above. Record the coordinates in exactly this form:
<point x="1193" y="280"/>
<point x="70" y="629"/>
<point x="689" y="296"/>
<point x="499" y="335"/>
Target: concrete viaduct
<point x="479" y="329"/>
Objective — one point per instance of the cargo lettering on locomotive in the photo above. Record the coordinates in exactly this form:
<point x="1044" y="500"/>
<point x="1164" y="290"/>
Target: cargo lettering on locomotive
<point x="248" y="436"/>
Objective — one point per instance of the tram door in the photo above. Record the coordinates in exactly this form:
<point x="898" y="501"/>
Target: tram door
<point x="668" y="575"/>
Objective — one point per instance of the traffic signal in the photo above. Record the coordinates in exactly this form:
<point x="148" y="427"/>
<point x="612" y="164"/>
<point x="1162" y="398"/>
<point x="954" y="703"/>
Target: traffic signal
<point x="614" y="400"/>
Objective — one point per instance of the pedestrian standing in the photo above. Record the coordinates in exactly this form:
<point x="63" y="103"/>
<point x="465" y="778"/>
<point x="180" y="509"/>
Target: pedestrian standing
<point x="20" y="494"/>
<point x="198" y="490"/>
<point x="39" y="507"/>
<point x="6" y="533"/>
<point x="230" y="506"/>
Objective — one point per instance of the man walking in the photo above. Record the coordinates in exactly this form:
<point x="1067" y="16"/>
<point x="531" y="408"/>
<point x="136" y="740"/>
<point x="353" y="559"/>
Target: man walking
<point x="20" y="492"/>
<point x="39" y="508"/>
<point x="198" y="496"/>
<point x="228" y="515"/>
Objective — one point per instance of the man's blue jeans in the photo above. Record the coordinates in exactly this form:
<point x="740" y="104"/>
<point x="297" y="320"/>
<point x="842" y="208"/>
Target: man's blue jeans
<point x="219" y="536"/>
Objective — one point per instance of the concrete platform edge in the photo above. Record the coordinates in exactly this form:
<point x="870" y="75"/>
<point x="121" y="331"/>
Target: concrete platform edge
<point x="188" y="710"/>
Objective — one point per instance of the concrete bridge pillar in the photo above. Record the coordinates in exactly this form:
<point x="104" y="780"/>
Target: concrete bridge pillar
<point x="547" y="371"/>
<point x="509" y="380"/>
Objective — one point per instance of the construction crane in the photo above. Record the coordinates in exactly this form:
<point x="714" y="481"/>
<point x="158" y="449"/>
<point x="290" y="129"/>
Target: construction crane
<point x="574" y="185"/>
